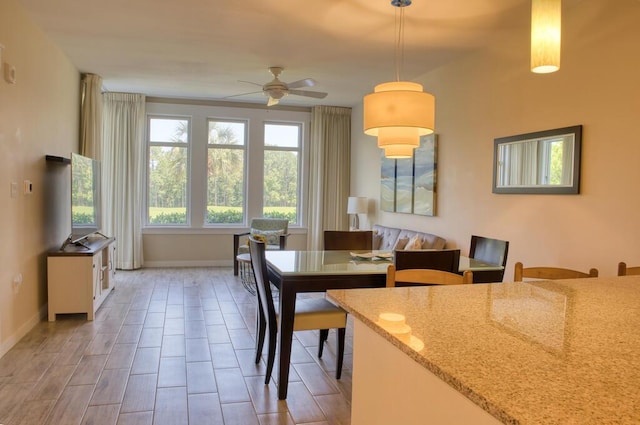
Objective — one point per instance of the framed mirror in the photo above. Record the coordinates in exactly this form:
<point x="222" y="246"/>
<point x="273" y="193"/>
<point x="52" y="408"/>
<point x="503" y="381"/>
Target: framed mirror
<point x="541" y="162"/>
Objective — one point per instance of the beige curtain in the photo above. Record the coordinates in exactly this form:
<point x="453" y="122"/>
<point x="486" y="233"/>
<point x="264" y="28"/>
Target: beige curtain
<point x="329" y="172"/>
<point x="91" y="116"/>
<point x="123" y="174"/>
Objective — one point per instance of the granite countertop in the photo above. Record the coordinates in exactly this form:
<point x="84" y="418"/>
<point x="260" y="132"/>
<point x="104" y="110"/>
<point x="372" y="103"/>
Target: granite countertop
<point x="552" y="352"/>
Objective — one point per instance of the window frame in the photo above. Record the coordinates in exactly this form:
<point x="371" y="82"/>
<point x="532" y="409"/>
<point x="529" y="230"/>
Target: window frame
<point x="256" y="115"/>
<point x="187" y="145"/>
<point x="245" y="169"/>
<point x="300" y="170"/>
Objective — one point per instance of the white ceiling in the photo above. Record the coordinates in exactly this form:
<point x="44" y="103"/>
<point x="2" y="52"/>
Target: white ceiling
<point x="200" y="48"/>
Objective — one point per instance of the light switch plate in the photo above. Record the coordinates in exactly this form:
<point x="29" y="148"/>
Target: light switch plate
<point x="9" y="73"/>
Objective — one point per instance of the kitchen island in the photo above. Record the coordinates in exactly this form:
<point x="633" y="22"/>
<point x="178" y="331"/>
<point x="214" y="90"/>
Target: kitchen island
<point x="554" y="352"/>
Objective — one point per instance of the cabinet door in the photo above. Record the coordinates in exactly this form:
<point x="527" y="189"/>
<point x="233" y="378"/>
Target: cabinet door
<point x="71" y="285"/>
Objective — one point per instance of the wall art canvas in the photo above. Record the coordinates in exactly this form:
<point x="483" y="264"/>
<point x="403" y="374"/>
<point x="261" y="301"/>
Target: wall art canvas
<point x="404" y="185"/>
<point x="388" y="184"/>
<point x="409" y="185"/>
<point x="424" y="184"/>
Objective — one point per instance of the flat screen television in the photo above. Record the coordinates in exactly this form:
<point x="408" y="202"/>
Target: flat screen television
<point x="86" y="205"/>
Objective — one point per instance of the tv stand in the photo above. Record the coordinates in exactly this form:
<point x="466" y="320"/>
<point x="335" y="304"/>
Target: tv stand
<point x="80" y="276"/>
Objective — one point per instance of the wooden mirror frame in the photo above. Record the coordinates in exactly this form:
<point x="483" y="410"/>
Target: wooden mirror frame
<point x="572" y="188"/>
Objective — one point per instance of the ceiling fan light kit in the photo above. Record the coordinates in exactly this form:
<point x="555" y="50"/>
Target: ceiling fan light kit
<point x="275" y="90"/>
<point x="399" y="112"/>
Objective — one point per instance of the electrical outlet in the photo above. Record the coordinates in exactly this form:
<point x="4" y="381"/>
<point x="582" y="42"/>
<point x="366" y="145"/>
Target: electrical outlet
<point x="28" y="187"/>
<point x="14" y="189"/>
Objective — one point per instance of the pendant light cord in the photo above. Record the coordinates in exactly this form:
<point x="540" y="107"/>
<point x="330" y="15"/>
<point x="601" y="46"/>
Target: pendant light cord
<point x="399" y="40"/>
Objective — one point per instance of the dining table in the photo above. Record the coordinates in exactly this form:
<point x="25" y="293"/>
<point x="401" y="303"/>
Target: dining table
<point x="293" y="272"/>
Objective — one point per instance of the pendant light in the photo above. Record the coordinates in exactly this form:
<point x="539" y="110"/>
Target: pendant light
<point x="399" y="112"/>
<point x="545" y="35"/>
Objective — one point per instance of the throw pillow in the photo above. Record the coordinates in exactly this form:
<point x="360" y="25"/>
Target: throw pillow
<point x="259" y="238"/>
<point x="272" y="237"/>
<point x="414" y="243"/>
<point x="400" y="244"/>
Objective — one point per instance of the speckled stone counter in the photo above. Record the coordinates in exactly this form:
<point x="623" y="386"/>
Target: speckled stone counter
<point x="562" y="352"/>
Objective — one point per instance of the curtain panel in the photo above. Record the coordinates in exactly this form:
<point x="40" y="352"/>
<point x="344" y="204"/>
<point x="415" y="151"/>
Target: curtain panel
<point x="329" y="172"/>
<point x="91" y="116"/>
<point x="123" y="174"/>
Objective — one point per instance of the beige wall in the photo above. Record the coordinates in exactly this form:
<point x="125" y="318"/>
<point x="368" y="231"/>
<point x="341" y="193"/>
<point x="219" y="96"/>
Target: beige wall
<point x="38" y="116"/>
<point x="493" y="94"/>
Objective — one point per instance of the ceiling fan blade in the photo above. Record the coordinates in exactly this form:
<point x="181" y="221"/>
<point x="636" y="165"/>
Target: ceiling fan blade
<point x="307" y="82"/>
<point x="242" y="94"/>
<point x="307" y="93"/>
<point x="272" y="101"/>
<point x="250" y="82"/>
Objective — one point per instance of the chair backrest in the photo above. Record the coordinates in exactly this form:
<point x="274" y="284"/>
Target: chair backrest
<point x="426" y="277"/>
<point x="549" y="273"/>
<point x="487" y="250"/>
<point x="345" y="240"/>
<point x="270" y="224"/>
<point x="447" y="260"/>
<point x="265" y="299"/>
<point x="623" y="270"/>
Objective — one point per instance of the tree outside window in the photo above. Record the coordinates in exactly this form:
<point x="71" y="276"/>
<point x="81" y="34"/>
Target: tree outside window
<point x="167" y="195"/>
<point x="226" y="172"/>
<point x="281" y="170"/>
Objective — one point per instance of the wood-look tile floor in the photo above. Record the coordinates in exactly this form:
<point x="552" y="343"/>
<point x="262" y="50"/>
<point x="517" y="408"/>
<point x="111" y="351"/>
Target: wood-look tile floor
<point x="168" y="346"/>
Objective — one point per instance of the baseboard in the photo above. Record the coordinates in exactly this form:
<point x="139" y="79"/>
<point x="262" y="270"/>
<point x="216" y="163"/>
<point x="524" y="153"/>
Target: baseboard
<point x="206" y="263"/>
<point x="23" y="330"/>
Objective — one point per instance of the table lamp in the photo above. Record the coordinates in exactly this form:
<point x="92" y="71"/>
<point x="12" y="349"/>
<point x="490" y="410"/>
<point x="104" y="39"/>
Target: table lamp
<point x="356" y="205"/>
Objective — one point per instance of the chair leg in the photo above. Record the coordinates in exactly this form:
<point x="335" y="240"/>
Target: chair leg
<point x="324" y="334"/>
<point x="271" y="356"/>
<point x="261" y="327"/>
<point x="339" y="357"/>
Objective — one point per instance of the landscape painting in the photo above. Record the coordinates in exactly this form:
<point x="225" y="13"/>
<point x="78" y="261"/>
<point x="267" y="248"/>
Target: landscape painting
<point x="408" y="185"/>
<point x="424" y="184"/>
<point x="404" y="185"/>
<point x="388" y="184"/>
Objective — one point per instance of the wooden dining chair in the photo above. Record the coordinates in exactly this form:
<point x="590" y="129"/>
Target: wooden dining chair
<point x="310" y="314"/>
<point x="491" y="251"/>
<point x="623" y="270"/>
<point x="447" y="260"/>
<point x="346" y="240"/>
<point x="551" y="273"/>
<point x="426" y="277"/>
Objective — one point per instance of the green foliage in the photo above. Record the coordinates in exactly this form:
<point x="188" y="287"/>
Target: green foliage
<point x="175" y="217"/>
<point x="289" y="215"/>
<point x="280" y="178"/>
<point x="556" y="164"/>
<point x="229" y="216"/>
<point x="82" y="218"/>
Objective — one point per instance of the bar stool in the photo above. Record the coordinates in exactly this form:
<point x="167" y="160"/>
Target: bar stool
<point x="246" y="273"/>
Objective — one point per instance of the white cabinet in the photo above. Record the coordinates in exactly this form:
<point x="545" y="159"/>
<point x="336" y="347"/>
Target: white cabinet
<point x="79" y="278"/>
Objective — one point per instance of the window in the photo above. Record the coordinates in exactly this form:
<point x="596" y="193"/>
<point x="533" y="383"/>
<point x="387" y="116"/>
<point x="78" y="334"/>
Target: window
<point x="281" y="170"/>
<point x="167" y="194"/>
<point x="213" y="168"/>
<point x="226" y="172"/>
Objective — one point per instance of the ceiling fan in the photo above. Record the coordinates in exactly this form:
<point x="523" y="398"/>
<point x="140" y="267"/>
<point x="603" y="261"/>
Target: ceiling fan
<point x="276" y="89"/>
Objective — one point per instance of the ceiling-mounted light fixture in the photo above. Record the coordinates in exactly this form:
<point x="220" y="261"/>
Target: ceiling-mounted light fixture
<point x="545" y="35"/>
<point x="399" y="112"/>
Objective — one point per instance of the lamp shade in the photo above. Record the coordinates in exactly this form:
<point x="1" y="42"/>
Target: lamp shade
<point x="357" y="205"/>
<point x="398" y="106"/>
<point x="398" y="151"/>
<point x="546" y="21"/>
